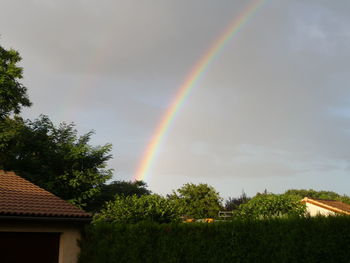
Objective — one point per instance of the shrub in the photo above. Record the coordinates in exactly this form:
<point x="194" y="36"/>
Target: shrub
<point x="271" y="205"/>
<point x="197" y="201"/>
<point x="133" y="209"/>
<point x="307" y="240"/>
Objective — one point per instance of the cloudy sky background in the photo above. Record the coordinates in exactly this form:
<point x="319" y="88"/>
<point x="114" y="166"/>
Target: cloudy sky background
<point x="272" y="112"/>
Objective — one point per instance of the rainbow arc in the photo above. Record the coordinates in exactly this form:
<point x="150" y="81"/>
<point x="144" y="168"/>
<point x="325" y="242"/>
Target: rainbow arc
<point x="184" y="90"/>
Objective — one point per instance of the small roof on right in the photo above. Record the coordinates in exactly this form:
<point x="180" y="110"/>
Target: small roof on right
<point x="332" y="205"/>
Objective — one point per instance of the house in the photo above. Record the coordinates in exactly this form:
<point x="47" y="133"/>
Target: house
<point x="35" y="225"/>
<point x="325" y="207"/>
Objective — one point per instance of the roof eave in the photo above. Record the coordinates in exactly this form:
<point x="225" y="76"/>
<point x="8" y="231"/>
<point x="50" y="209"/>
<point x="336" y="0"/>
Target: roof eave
<point x="45" y="218"/>
<point x="330" y="208"/>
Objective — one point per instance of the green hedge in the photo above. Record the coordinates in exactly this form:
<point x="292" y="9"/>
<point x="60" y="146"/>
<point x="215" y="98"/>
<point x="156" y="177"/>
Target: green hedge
<point x="276" y="240"/>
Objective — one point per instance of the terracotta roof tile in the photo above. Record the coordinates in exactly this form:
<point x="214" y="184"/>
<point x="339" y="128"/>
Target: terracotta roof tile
<point x="20" y="197"/>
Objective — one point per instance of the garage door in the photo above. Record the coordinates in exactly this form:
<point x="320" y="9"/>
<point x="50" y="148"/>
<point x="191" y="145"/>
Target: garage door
<point x="29" y="247"/>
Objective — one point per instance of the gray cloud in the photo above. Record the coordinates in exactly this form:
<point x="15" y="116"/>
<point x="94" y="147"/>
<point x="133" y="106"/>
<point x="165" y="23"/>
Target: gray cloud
<point x="274" y="103"/>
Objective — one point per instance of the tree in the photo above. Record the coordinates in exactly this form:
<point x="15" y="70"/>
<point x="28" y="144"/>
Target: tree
<point x="134" y="209"/>
<point x="327" y="195"/>
<point x="197" y="201"/>
<point x="55" y="158"/>
<point x="13" y="95"/>
<point x="234" y="203"/>
<point x="109" y="191"/>
<point x="270" y="205"/>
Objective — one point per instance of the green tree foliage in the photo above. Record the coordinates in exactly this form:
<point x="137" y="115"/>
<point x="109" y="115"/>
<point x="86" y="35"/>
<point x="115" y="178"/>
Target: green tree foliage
<point x="109" y="191"/>
<point x="270" y="205"/>
<point x="133" y="209"/>
<point x="13" y="95"/>
<point x="197" y="201"/>
<point x="327" y="195"/>
<point x="234" y="203"/>
<point x="55" y="158"/>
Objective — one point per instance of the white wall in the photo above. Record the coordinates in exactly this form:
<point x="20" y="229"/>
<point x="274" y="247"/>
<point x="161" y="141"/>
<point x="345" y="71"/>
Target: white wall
<point x="315" y="210"/>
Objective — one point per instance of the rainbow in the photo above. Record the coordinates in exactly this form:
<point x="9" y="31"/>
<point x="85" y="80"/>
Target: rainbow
<point x="184" y="90"/>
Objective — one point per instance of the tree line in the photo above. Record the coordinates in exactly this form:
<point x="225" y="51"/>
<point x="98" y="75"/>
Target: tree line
<point x="203" y="201"/>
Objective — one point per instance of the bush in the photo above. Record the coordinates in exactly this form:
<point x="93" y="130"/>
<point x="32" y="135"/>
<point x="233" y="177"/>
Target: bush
<point x="109" y="191"/>
<point x="133" y="209"/>
<point x="271" y="205"/>
<point x="197" y="201"/>
<point x="318" y="239"/>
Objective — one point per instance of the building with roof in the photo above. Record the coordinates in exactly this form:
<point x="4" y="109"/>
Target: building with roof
<point x="35" y="225"/>
<point x="325" y="207"/>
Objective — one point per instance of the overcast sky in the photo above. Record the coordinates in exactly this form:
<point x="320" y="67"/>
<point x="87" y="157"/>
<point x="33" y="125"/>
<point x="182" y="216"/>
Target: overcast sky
<point x="272" y="111"/>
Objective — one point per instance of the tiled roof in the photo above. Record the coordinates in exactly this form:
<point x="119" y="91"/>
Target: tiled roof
<point x="19" y="197"/>
<point x="335" y="206"/>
